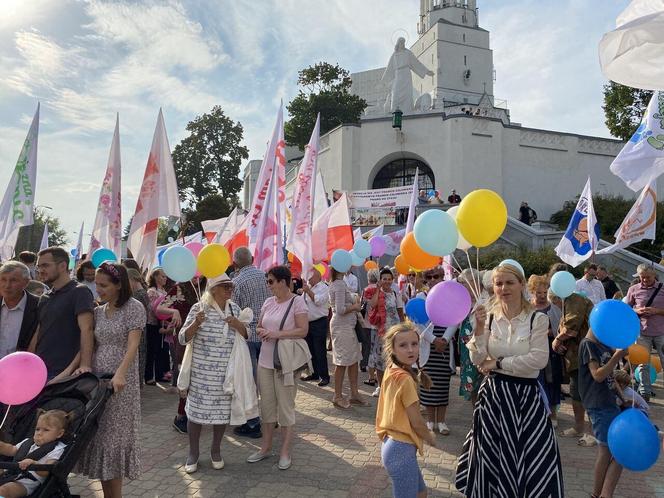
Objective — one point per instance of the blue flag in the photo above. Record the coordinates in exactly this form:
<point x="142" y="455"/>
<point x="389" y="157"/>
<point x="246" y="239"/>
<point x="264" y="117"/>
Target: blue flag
<point x="582" y="234"/>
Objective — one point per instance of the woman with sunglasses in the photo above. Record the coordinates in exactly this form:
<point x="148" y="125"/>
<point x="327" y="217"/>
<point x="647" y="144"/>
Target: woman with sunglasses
<point x="211" y="324"/>
<point x="283" y="316"/>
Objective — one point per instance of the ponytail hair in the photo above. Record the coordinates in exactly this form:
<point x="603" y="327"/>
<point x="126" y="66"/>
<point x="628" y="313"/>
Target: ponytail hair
<point x="420" y="376"/>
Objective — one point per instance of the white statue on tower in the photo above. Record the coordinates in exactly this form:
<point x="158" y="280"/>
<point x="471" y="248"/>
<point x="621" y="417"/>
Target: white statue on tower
<point x="397" y="75"/>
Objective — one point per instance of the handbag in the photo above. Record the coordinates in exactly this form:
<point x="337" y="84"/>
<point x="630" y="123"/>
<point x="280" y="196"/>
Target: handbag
<point x="275" y="357"/>
<point x="360" y="328"/>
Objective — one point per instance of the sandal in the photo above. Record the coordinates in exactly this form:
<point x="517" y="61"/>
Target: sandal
<point x="370" y="382"/>
<point x="587" y="441"/>
<point x="571" y="432"/>
<point x="358" y="402"/>
<point x="342" y="403"/>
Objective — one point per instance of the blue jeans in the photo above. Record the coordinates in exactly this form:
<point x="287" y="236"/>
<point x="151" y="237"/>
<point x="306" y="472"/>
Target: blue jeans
<point x="400" y="461"/>
<point x="601" y="419"/>
<point x="254" y="352"/>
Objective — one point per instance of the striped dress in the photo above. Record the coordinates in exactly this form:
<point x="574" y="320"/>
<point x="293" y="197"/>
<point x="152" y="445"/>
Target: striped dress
<point x="438" y="368"/>
<point x="212" y="345"/>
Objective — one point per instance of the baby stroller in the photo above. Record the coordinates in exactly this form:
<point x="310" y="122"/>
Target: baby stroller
<point x="86" y="396"/>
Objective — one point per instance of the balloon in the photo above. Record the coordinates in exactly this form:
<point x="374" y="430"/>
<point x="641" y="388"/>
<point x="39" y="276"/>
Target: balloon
<point x="581" y="293"/>
<point x="155" y="304"/>
<point x="290" y="257"/>
<point x="370" y="265"/>
<point x="448" y="303"/>
<point x="194" y="247"/>
<point x="357" y="260"/>
<point x="517" y="265"/>
<point x="378" y="246"/>
<point x="400" y="264"/>
<point x="633" y="440"/>
<point x="639" y="369"/>
<point x="436" y="233"/>
<point x="415" y="256"/>
<point x="563" y="284"/>
<point x="341" y="260"/>
<point x="321" y="268"/>
<point x="101" y="255"/>
<point x="74" y="252"/>
<point x="431" y="193"/>
<point x="416" y="310"/>
<point x="615" y="323"/>
<point x="23" y="377"/>
<point x="213" y="260"/>
<point x="482" y="217"/>
<point x="362" y="248"/>
<point x="463" y="244"/>
<point x="326" y="268"/>
<point x="656" y="362"/>
<point x="638" y="354"/>
<point x="179" y="264"/>
<point x="160" y="255"/>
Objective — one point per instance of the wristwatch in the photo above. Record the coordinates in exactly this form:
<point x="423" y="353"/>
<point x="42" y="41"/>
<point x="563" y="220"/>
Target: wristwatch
<point x="498" y="362"/>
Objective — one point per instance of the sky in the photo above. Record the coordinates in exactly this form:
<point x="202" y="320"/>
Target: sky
<point x="86" y="60"/>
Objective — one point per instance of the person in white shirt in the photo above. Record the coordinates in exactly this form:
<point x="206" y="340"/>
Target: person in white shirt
<point x="317" y="296"/>
<point x="589" y="284"/>
<point x="18" y="308"/>
<point x="510" y="422"/>
<point x="352" y="282"/>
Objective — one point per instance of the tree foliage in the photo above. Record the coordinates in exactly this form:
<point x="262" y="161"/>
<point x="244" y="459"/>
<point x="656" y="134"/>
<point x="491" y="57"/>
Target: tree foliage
<point x="324" y="89"/>
<point x="623" y="108"/>
<point x="29" y="238"/>
<point x="208" y="160"/>
<point x="211" y="207"/>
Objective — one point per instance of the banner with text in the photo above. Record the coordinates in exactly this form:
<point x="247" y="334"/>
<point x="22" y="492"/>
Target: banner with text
<point x="381" y="198"/>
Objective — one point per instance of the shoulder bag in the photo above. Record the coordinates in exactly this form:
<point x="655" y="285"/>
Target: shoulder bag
<point x="275" y="357"/>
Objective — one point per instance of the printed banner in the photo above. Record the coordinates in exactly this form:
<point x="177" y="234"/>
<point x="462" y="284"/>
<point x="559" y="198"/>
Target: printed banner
<point x="381" y="198"/>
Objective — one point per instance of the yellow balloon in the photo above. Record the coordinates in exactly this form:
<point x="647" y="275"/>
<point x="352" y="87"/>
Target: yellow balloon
<point x="213" y="260"/>
<point x="482" y="217"/>
<point x="320" y="268"/>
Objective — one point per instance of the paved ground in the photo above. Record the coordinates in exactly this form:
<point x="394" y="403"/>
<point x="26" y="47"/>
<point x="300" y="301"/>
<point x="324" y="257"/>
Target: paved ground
<point x="336" y="454"/>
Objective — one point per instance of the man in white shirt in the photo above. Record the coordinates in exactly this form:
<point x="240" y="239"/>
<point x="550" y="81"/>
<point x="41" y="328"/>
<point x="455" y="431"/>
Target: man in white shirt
<point x="317" y="296"/>
<point x="352" y="282"/>
<point x="589" y="284"/>
<point x="18" y="309"/>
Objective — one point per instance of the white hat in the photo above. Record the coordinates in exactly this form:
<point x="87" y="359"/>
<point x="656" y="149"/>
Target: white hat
<point x="214" y="281"/>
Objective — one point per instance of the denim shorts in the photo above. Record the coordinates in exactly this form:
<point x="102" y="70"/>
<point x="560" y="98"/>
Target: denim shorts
<point x="601" y="419"/>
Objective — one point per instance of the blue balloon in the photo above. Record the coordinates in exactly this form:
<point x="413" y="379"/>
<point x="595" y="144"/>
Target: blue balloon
<point x="179" y="264"/>
<point x="362" y="248"/>
<point x="517" y="265"/>
<point x="74" y="252"/>
<point x="102" y="255"/>
<point x="436" y="232"/>
<point x="356" y="260"/>
<point x="160" y="255"/>
<point x="633" y="440"/>
<point x="563" y="284"/>
<point x="341" y="260"/>
<point x="639" y="369"/>
<point x="615" y="323"/>
<point x="432" y="193"/>
<point x="416" y="310"/>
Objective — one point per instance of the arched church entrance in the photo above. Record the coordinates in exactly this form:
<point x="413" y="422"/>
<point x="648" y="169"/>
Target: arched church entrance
<point x="401" y="172"/>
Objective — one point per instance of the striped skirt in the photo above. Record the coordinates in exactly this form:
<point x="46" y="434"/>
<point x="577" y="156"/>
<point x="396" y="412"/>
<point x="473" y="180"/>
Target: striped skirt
<point x="511" y="450"/>
<point x="438" y="368"/>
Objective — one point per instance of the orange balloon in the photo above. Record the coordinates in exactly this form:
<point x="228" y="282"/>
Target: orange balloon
<point x="638" y="354"/>
<point x="370" y="265"/>
<point x="290" y="257"/>
<point x="415" y="256"/>
<point x="401" y="265"/>
<point x="656" y="362"/>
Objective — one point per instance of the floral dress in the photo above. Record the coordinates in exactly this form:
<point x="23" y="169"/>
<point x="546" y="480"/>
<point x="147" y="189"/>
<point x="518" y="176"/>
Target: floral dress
<point x="469" y="375"/>
<point x="392" y="304"/>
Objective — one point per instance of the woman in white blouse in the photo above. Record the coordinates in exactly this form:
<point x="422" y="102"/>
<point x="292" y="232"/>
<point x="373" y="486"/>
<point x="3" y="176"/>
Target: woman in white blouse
<point x="511" y="449"/>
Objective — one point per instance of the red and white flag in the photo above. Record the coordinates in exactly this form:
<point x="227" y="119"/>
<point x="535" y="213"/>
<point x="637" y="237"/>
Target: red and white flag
<point x="213" y="228"/>
<point x="158" y="197"/>
<point x="299" y="238"/>
<point x="107" y="230"/>
<point x="268" y="249"/>
<point x="332" y="231"/>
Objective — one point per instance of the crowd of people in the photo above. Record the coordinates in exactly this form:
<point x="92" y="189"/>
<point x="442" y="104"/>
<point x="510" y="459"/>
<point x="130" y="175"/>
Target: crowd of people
<point x="433" y="197"/>
<point x="235" y="347"/>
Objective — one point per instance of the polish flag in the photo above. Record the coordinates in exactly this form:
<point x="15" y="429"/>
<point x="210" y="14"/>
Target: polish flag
<point x="229" y="231"/>
<point x="211" y="228"/>
<point x="158" y="197"/>
<point x="332" y="231"/>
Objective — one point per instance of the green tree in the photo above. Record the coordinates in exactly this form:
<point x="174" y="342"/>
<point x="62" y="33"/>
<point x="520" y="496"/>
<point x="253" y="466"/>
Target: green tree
<point x="208" y="160"/>
<point x="211" y="207"/>
<point x="623" y="108"/>
<point x="324" y="89"/>
<point x="29" y="238"/>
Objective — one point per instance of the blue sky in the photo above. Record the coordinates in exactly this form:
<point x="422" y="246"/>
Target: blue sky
<point x="87" y="60"/>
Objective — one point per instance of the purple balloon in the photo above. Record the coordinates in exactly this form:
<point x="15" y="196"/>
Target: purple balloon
<point x="378" y="246"/>
<point x="448" y="303"/>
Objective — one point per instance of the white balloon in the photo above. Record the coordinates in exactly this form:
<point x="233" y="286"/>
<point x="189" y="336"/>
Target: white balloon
<point x="463" y="244"/>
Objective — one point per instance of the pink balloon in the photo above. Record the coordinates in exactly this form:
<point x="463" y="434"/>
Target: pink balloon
<point x="23" y="377"/>
<point x="194" y="247"/>
<point x="155" y="304"/>
<point x="448" y="303"/>
<point x="378" y="246"/>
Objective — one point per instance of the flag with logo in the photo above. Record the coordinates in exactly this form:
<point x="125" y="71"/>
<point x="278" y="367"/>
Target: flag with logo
<point x="393" y="240"/>
<point x="639" y="223"/>
<point x="299" y="237"/>
<point x="642" y="158"/>
<point x="332" y="231"/>
<point x="158" y="198"/>
<point x="582" y="234"/>
<point x="268" y="249"/>
<point x="17" y="208"/>
<point x="107" y="230"/>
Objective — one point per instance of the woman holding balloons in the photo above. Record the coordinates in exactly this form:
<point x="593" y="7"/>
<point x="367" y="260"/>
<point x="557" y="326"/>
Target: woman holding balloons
<point x="511" y="445"/>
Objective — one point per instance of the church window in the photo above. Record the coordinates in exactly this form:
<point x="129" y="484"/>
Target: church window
<point x="465" y="61"/>
<point x="401" y="172"/>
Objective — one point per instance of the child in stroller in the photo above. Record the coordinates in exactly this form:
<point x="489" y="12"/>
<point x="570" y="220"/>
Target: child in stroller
<point x="45" y="447"/>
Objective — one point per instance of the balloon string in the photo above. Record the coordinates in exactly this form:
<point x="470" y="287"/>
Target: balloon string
<point x="476" y="283"/>
<point x="472" y="287"/>
<point x="5" y="417"/>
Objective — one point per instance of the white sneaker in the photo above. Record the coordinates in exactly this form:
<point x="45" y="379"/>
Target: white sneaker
<point x="430" y="426"/>
<point x="443" y="429"/>
<point x="376" y="393"/>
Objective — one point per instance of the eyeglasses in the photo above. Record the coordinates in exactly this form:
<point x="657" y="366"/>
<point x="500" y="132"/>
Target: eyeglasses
<point x="411" y="274"/>
<point x="434" y="277"/>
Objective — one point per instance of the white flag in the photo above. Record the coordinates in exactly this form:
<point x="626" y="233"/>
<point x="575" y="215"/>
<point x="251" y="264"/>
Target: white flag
<point x="268" y="251"/>
<point x="639" y="223"/>
<point x="642" y="158"/>
<point x="299" y="237"/>
<point x="580" y="238"/>
<point x="158" y="197"/>
<point x="107" y="230"/>
<point x="44" y="241"/>
<point x="320" y="197"/>
<point x="79" y="243"/>
<point x="413" y="205"/>
<point x="17" y="208"/>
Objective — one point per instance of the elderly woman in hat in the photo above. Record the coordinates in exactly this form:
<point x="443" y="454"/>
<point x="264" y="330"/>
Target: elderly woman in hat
<point x="210" y="328"/>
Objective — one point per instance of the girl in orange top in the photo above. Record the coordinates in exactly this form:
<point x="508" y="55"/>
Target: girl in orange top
<point x="399" y="424"/>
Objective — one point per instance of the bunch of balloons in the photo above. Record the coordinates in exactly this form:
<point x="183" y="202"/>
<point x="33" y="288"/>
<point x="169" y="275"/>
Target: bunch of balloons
<point x="182" y="263"/>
